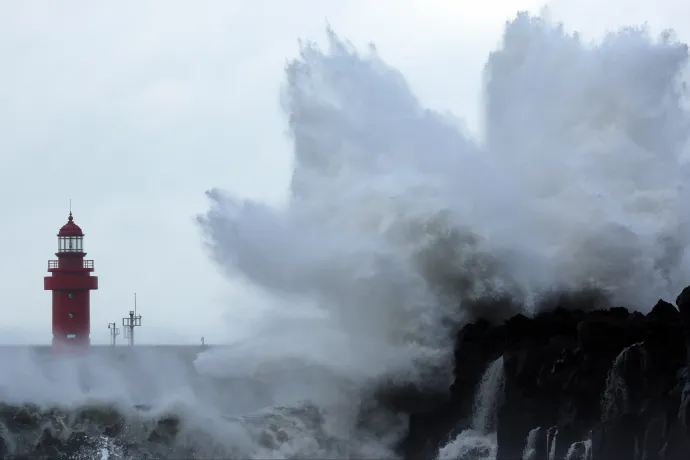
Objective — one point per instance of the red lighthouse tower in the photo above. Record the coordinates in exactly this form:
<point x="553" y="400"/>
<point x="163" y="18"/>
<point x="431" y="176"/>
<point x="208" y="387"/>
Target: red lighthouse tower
<point x="71" y="281"/>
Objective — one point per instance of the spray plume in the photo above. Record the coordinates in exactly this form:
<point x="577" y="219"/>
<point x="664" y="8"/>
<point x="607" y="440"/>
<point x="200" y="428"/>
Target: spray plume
<point x="400" y="223"/>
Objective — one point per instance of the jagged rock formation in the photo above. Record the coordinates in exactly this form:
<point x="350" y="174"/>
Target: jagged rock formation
<point x="615" y="379"/>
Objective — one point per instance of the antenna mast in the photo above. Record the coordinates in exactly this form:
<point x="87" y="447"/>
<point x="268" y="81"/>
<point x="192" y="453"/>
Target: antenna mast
<point x="130" y="322"/>
<point x="114" y="332"/>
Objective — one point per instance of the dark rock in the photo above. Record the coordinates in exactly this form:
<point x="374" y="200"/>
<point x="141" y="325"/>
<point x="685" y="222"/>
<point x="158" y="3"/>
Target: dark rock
<point x="654" y="439"/>
<point x="677" y="444"/>
<point x="684" y="410"/>
<point x="517" y="329"/>
<point x="615" y="440"/>
<point x="664" y="311"/>
<point x="570" y="367"/>
<point x="683" y="303"/>
<point x="599" y="334"/>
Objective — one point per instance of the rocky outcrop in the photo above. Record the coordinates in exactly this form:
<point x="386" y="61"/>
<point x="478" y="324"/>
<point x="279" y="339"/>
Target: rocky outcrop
<point x="611" y="383"/>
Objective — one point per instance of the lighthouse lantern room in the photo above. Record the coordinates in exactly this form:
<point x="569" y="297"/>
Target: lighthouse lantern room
<point x="71" y="282"/>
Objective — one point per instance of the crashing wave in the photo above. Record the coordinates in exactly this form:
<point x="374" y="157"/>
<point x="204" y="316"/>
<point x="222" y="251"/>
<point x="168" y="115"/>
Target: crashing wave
<point x="399" y="227"/>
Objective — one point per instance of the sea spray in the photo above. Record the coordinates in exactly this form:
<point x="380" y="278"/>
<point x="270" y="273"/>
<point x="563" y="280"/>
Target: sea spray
<point x="581" y="450"/>
<point x="478" y="443"/>
<point x="397" y="222"/>
<point x="530" y="450"/>
<point x="614" y="400"/>
<point x="469" y="445"/>
<point x="396" y="218"/>
<point x="487" y="398"/>
<point x="551" y="437"/>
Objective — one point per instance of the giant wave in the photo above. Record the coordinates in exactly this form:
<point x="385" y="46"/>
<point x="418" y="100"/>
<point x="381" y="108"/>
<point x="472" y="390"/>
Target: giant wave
<point x="399" y="227"/>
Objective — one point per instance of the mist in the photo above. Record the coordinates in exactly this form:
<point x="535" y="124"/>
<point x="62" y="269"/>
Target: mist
<point x="401" y="224"/>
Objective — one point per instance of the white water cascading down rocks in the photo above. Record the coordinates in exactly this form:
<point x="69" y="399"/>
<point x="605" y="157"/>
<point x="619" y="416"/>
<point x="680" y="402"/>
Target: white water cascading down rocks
<point x="479" y="442"/>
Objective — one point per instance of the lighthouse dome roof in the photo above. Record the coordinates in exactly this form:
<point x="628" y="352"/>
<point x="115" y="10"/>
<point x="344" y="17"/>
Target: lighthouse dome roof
<point x="70" y="228"/>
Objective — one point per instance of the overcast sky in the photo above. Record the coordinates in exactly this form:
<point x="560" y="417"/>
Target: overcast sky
<point x="133" y="109"/>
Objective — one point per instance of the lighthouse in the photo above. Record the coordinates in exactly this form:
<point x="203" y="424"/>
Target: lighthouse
<point x="71" y="282"/>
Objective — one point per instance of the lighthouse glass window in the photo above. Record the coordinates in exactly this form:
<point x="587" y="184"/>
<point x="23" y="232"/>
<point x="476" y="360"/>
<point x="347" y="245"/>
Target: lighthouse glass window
<point x="70" y="244"/>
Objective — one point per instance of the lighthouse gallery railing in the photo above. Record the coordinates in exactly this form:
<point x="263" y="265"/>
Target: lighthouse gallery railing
<point x="53" y="264"/>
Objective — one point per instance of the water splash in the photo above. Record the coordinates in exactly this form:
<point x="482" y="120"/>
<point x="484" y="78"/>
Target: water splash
<point x="614" y="401"/>
<point x="530" y="451"/>
<point x="397" y="216"/>
<point x="581" y="450"/>
<point x="478" y="442"/>
<point x="551" y="437"/>
<point x="469" y="445"/>
<point x="395" y="223"/>
<point x="486" y="400"/>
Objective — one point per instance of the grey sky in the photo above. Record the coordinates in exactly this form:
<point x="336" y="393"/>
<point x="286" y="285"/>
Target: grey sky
<point x="134" y="108"/>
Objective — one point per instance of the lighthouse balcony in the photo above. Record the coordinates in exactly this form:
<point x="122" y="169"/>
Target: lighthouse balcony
<point x="71" y="265"/>
<point x="70" y="281"/>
